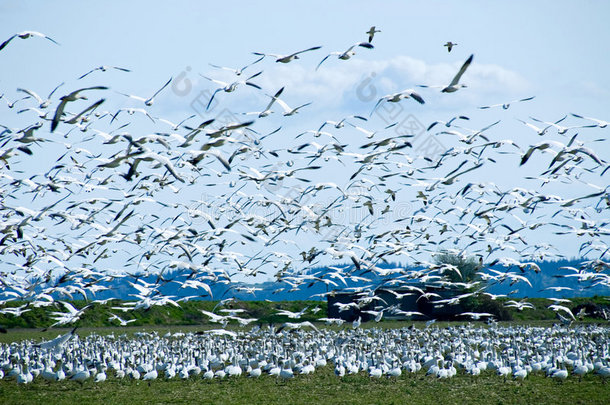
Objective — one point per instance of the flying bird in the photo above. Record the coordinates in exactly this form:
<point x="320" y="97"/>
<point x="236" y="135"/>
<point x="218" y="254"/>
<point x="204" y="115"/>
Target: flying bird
<point x="347" y="53"/>
<point x="150" y="100"/>
<point x="66" y="99"/>
<point x="449" y="46"/>
<point x="507" y="105"/>
<point x="600" y="123"/>
<point x="239" y="71"/>
<point x="371" y="33"/>
<point x="396" y="97"/>
<point x="267" y="109"/>
<point x="122" y="322"/>
<point x="104" y="69"/>
<point x="453" y="86"/>
<point x="230" y="87"/>
<point x="287" y="109"/>
<point x="92" y="107"/>
<point x="287" y="58"/>
<point x="41" y="103"/>
<point x="26" y="35"/>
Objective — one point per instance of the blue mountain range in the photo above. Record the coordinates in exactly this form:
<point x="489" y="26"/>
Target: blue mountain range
<point x="551" y="275"/>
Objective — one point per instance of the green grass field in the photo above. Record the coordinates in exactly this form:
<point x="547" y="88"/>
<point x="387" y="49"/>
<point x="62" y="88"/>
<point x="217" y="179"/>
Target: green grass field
<point x="322" y="387"/>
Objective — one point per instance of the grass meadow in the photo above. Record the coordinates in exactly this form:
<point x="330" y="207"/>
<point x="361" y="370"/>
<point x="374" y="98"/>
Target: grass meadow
<point x="322" y="387"/>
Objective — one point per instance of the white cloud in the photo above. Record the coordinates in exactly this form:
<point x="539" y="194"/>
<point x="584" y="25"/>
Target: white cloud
<point x="335" y="80"/>
<point x="354" y="86"/>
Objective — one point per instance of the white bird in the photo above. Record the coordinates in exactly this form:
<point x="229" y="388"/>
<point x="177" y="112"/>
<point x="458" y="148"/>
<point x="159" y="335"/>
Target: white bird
<point x="286" y="372"/>
<point x="58" y="342"/>
<point x="103" y="69"/>
<point x="150" y="100"/>
<point x="292" y="315"/>
<point x="561" y="129"/>
<point x="347" y="54"/>
<point x="73" y="96"/>
<point x="71" y="316"/>
<point x="539" y="131"/>
<point x="41" y="103"/>
<point x="223" y="320"/>
<point x="560" y="374"/>
<point x="600" y="123"/>
<point x="557" y="308"/>
<point x="267" y="111"/>
<point x="454" y="85"/>
<point x="287" y="58"/>
<point x="507" y="104"/>
<point x="396" y="97"/>
<point x="230" y="87"/>
<point x="150" y="375"/>
<point x="255" y="372"/>
<point x="477" y="315"/>
<point x="132" y="111"/>
<point x="288" y="111"/>
<point x="238" y="72"/>
<point x="122" y="322"/>
<point x="298" y="325"/>
<point x="339" y="370"/>
<point x="81" y="376"/>
<point x="331" y="321"/>
<point x="519" y="305"/>
<point x="26" y="35"/>
<point x="100" y="377"/>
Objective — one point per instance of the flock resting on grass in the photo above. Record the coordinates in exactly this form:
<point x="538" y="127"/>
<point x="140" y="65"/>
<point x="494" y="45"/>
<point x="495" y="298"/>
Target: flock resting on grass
<point x="511" y="352"/>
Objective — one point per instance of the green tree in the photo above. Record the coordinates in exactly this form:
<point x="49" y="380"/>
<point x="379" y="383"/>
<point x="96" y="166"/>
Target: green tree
<point x="467" y="267"/>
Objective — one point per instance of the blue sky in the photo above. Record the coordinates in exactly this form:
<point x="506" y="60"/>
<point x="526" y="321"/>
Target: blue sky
<point x="554" y="50"/>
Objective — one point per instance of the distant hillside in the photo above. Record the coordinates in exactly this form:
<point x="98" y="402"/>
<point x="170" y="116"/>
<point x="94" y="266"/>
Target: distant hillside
<point x="549" y="276"/>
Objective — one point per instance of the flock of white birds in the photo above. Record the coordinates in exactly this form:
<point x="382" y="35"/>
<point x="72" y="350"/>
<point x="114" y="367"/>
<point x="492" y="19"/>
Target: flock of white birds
<point x="84" y="188"/>
<point x="511" y="352"/>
